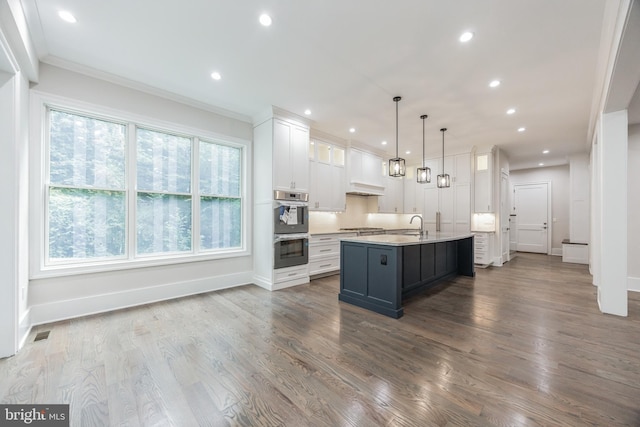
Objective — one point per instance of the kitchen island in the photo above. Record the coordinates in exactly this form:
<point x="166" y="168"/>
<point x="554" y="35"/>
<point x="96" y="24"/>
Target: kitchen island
<point x="377" y="272"/>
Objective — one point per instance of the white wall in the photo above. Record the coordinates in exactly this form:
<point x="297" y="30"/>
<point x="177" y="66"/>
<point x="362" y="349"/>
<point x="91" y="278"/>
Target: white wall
<point x="559" y="178"/>
<point x="633" y="209"/>
<point x="56" y="298"/>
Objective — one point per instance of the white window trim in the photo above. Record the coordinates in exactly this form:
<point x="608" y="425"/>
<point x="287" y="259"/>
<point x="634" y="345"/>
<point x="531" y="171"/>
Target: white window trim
<point x="38" y="190"/>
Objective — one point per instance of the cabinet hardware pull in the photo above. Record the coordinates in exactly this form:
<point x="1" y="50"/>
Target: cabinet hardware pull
<point x="325" y="265"/>
<point x="325" y="250"/>
<point x="325" y="238"/>
<point x="292" y="274"/>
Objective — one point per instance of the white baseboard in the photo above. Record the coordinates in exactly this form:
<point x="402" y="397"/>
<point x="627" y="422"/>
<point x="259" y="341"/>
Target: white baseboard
<point x="62" y="310"/>
<point x="556" y="251"/>
<point x="633" y="284"/>
<point x="263" y="282"/>
<point x="290" y="283"/>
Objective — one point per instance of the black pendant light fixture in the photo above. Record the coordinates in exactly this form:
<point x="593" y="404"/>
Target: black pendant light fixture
<point x="423" y="174"/>
<point x="397" y="165"/>
<point x="444" y="180"/>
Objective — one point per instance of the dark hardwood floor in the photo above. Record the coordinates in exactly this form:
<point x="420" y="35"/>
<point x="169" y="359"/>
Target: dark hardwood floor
<point x="521" y="345"/>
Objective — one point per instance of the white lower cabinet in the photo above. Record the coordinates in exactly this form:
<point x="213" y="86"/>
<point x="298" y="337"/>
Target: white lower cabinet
<point x="324" y="253"/>
<point x="290" y="276"/>
<point x="482" y="248"/>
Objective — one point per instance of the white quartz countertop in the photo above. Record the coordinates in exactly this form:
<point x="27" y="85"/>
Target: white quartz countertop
<point x="404" y="240"/>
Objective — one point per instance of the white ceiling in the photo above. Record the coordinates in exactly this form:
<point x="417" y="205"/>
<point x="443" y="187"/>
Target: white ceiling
<point x="345" y="60"/>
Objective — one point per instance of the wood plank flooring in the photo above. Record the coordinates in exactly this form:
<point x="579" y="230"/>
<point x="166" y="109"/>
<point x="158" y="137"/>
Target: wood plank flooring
<point x="521" y="345"/>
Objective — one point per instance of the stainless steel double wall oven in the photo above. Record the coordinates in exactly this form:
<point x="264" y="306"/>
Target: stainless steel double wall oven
<point x="290" y="228"/>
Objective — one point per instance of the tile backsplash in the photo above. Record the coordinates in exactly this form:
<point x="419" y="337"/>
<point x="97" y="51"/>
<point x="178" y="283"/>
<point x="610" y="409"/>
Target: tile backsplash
<point x="357" y="214"/>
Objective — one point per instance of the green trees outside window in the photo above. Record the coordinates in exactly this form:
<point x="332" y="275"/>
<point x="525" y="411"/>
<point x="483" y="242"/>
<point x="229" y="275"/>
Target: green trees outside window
<point x="90" y="206"/>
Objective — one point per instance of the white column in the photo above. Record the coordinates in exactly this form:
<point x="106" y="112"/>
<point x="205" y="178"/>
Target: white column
<point x="612" y="165"/>
<point x="8" y="218"/>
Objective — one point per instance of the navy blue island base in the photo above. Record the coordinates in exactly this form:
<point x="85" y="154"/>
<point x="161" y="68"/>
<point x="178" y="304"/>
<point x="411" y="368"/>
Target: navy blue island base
<point x="377" y="272"/>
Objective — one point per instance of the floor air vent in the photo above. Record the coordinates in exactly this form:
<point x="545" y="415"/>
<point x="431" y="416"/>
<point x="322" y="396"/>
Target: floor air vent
<point x="42" y="336"/>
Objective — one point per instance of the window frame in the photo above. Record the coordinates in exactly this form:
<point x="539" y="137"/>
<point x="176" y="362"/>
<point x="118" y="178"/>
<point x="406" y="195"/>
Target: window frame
<point x="42" y="267"/>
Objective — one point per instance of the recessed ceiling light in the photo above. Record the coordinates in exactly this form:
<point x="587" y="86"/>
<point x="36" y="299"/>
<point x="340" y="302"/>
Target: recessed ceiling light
<point x="307" y="112"/>
<point x="545" y="152"/>
<point x="352" y="130"/>
<point x="494" y="83"/>
<point x="265" y="20"/>
<point x="407" y="152"/>
<point x="521" y="129"/>
<point x="511" y="111"/>
<point x="384" y="142"/>
<point x="466" y="36"/>
<point x="67" y="16"/>
<point x="216" y="75"/>
<point x="540" y="164"/>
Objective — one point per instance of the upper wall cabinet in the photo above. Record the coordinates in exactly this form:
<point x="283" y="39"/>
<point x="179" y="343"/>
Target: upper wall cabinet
<point x="290" y="156"/>
<point x="326" y="177"/>
<point x="365" y="174"/>
<point x="392" y="200"/>
<point x="483" y="182"/>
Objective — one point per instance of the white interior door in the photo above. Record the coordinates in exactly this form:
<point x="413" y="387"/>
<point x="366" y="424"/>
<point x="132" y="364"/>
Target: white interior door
<point x="531" y="208"/>
<point x="504" y="216"/>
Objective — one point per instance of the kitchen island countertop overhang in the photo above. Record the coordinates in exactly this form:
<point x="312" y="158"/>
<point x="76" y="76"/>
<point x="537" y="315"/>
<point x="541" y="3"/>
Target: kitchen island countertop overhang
<point x="377" y="272"/>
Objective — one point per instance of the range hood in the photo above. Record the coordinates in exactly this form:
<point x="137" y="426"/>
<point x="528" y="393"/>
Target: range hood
<point x="365" y="189"/>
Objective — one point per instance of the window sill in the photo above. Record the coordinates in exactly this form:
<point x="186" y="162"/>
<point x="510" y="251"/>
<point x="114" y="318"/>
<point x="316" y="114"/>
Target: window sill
<point x="107" y="266"/>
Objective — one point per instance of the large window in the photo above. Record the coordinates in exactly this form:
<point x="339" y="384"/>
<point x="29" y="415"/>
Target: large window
<point x="118" y="191"/>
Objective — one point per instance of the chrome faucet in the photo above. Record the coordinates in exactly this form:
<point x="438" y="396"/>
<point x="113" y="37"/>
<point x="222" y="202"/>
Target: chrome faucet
<point x="423" y="232"/>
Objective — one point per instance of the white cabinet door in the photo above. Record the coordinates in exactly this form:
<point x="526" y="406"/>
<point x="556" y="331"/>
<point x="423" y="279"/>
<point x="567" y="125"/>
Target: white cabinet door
<point x="483" y="183"/>
<point x="430" y="208"/>
<point x="298" y="162"/>
<point x="463" y="168"/>
<point x="327" y="178"/>
<point x="410" y="185"/>
<point x="337" y="192"/>
<point x="290" y="157"/>
<point x="281" y="156"/>
<point x="447" y="203"/>
<point x="462" y="222"/>
<point x="392" y="201"/>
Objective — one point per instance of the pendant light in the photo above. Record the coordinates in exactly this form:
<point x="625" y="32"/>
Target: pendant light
<point x="397" y="165"/>
<point x="423" y="174"/>
<point x="444" y="180"/>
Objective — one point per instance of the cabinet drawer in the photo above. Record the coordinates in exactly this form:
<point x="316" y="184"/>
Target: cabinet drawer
<point x="324" y="239"/>
<point x="324" y="250"/>
<point x="324" y="265"/>
<point x="291" y="273"/>
<point x="480" y="247"/>
<point x="481" y="238"/>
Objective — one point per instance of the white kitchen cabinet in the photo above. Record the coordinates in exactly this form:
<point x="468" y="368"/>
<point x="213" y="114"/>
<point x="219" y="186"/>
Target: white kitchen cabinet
<point x="482" y="248"/>
<point x="392" y="200"/>
<point x="414" y="191"/>
<point x="326" y="177"/>
<point x="290" y="156"/>
<point x="483" y="182"/>
<point x="454" y="203"/>
<point x="324" y="253"/>
<point x="365" y="173"/>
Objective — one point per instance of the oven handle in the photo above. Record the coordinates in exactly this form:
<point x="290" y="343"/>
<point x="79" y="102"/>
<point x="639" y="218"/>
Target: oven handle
<point x="286" y="203"/>
<point x="285" y="237"/>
